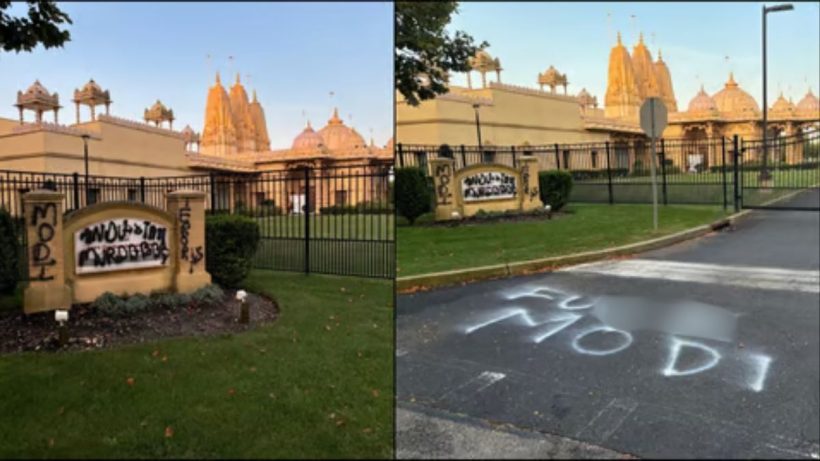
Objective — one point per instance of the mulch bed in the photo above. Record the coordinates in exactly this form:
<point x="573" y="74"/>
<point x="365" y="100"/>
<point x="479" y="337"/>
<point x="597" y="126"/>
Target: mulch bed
<point x="89" y="329"/>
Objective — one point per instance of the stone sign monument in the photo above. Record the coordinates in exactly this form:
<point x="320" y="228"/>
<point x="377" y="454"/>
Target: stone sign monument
<point x="119" y="247"/>
<point x="488" y="187"/>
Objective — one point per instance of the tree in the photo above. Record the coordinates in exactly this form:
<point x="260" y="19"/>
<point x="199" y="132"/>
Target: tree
<point x="40" y="27"/>
<point x="424" y="51"/>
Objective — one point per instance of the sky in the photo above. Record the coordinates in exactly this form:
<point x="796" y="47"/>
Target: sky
<point x="695" y="39"/>
<point x="293" y="54"/>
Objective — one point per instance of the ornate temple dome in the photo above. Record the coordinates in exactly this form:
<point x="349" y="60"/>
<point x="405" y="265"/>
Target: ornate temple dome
<point x="37" y="89"/>
<point x="809" y="104"/>
<point x="585" y="99"/>
<point x="389" y="145"/>
<point x="622" y="96"/>
<point x="337" y="135"/>
<point x="667" y="93"/>
<point x="782" y="106"/>
<point x="702" y="102"/>
<point x="644" y="68"/>
<point x="219" y="134"/>
<point x="733" y="101"/>
<point x="308" y="139"/>
<point x="188" y="134"/>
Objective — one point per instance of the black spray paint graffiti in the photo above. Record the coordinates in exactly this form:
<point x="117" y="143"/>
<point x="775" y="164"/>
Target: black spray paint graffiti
<point x="613" y="319"/>
<point x="443" y="194"/>
<point x="487" y="186"/>
<point x="532" y="193"/>
<point x="41" y="253"/>
<point x="121" y="244"/>
<point x="195" y="255"/>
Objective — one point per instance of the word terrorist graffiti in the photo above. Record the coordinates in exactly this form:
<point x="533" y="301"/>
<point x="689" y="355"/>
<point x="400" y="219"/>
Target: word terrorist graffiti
<point x="698" y="336"/>
<point x="195" y="255"/>
<point x="120" y="244"/>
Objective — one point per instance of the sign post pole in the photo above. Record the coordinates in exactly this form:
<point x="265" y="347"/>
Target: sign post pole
<point x="653" y="121"/>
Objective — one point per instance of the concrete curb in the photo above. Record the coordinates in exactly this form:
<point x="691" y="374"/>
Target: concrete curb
<point x="474" y="274"/>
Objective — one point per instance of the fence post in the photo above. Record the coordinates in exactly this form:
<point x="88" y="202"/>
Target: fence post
<point x="513" y="155"/>
<point x="401" y="156"/>
<point x="463" y="157"/>
<point x="723" y="170"/>
<point x="663" y="171"/>
<point x="76" y="190"/>
<point x="142" y="189"/>
<point x="736" y="168"/>
<point x="213" y="191"/>
<point x="609" y="175"/>
<point x="557" y="158"/>
<point x="307" y="220"/>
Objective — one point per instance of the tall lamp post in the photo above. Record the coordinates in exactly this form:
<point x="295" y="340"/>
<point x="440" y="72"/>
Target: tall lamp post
<point x="765" y="175"/>
<point x="477" y="125"/>
<point x="85" y="159"/>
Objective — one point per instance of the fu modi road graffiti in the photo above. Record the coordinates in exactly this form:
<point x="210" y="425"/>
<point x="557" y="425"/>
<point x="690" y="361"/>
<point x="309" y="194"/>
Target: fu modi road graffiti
<point x="697" y="338"/>
<point x="118" y="247"/>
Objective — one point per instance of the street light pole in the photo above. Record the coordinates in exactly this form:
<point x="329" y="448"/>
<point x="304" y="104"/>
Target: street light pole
<point x="477" y="125"/>
<point x="85" y="159"/>
<point x="765" y="175"/>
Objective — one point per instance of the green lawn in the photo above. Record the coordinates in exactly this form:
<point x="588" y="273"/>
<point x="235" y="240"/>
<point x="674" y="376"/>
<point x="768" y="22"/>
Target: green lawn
<point x="350" y="226"/>
<point x="316" y="383"/>
<point x="782" y="178"/>
<point x="585" y="227"/>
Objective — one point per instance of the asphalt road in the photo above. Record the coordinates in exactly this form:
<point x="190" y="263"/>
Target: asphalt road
<point x="704" y="349"/>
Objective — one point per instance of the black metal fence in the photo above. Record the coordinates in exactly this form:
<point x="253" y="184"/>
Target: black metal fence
<point x="689" y="171"/>
<point x="336" y="220"/>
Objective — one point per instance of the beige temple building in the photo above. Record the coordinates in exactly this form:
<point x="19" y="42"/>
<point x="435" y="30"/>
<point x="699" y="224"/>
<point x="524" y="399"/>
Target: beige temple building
<point x="233" y="143"/>
<point x="531" y="116"/>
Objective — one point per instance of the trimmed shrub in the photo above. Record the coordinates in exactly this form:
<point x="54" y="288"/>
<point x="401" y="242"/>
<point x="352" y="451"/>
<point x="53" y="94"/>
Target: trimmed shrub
<point x="210" y="294"/>
<point x="555" y="187"/>
<point x="9" y="254"/>
<point x="231" y="242"/>
<point x="413" y="194"/>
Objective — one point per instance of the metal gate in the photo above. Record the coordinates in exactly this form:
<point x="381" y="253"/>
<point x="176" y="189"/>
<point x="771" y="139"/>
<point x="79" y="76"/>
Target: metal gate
<point x="783" y="174"/>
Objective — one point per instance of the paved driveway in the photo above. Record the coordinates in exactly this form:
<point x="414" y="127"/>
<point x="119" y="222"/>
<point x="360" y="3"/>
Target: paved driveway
<point x="705" y="349"/>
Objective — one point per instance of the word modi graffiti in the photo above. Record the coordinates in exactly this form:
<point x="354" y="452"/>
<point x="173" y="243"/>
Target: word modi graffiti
<point x="117" y="244"/>
<point x="118" y="247"/>
<point x="697" y="338"/>
<point x="485" y="187"/>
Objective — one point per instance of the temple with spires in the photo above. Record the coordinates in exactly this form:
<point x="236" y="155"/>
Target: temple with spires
<point x="519" y="115"/>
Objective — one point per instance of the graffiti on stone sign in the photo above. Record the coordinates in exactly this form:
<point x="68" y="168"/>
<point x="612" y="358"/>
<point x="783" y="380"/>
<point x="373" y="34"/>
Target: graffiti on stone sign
<point x="489" y="185"/>
<point x="192" y="255"/>
<point x="697" y="338"/>
<point x="443" y="176"/>
<point x="531" y="192"/>
<point x="43" y="219"/>
<point x="120" y="244"/>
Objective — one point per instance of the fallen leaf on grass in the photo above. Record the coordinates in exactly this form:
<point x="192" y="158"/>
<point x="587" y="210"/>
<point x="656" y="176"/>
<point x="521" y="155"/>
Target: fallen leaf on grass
<point x="343" y="289"/>
<point x="169" y="432"/>
<point x="61" y="411"/>
<point x="231" y="391"/>
<point x="50" y="443"/>
<point x="332" y="416"/>
<point x="359" y="354"/>
<point x="375" y="392"/>
<point x="340" y="422"/>
<point x="367" y="430"/>
<point x="253" y="369"/>
<point x="130" y="381"/>
<point x="164" y="358"/>
<point x="155" y="353"/>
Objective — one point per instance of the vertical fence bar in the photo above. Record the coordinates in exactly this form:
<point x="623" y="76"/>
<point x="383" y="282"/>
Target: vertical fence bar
<point x="75" y="189"/>
<point x="401" y="155"/>
<point x="463" y="157"/>
<point x="213" y="191"/>
<point x="307" y="220"/>
<point x="723" y="171"/>
<point x="736" y="157"/>
<point x="512" y="149"/>
<point x="557" y="158"/>
<point x="663" y="171"/>
<point x="142" y="189"/>
<point x="609" y="175"/>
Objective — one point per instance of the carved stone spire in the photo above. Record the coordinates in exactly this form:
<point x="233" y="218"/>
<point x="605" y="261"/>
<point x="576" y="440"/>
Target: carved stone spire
<point x="622" y="97"/>
<point x="261" y="140"/>
<point x="242" y="119"/>
<point x="219" y="134"/>
<point x="667" y="92"/>
<point x="645" y="77"/>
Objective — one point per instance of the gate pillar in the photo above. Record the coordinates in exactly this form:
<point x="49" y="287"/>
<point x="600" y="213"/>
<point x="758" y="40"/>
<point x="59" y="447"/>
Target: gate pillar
<point x="46" y="290"/>
<point x="188" y="208"/>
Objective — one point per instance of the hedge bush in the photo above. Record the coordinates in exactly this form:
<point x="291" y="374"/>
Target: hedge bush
<point x="112" y="305"/>
<point x="231" y="242"/>
<point x="555" y="187"/>
<point x="9" y="254"/>
<point x="413" y="194"/>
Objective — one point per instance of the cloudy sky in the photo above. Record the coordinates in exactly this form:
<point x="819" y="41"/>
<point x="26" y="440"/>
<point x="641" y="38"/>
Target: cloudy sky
<point x="695" y="39"/>
<point x="294" y="55"/>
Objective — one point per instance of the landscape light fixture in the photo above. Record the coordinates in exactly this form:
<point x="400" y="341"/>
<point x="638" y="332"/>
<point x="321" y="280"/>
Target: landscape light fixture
<point x="61" y="317"/>
<point x="244" y="315"/>
<point x="765" y="175"/>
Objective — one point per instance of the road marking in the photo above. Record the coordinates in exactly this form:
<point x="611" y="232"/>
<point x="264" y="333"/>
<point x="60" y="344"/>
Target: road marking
<point x="608" y="420"/>
<point x="476" y="384"/>
<point x="768" y="278"/>
<point x="401" y="352"/>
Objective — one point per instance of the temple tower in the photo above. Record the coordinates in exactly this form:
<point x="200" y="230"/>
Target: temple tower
<point x="667" y="93"/>
<point x="644" y="68"/>
<point x="242" y="120"/>
<point x="260" y="125"/>
<point x="219" y="134"/>
<point x="622" y="99"/>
